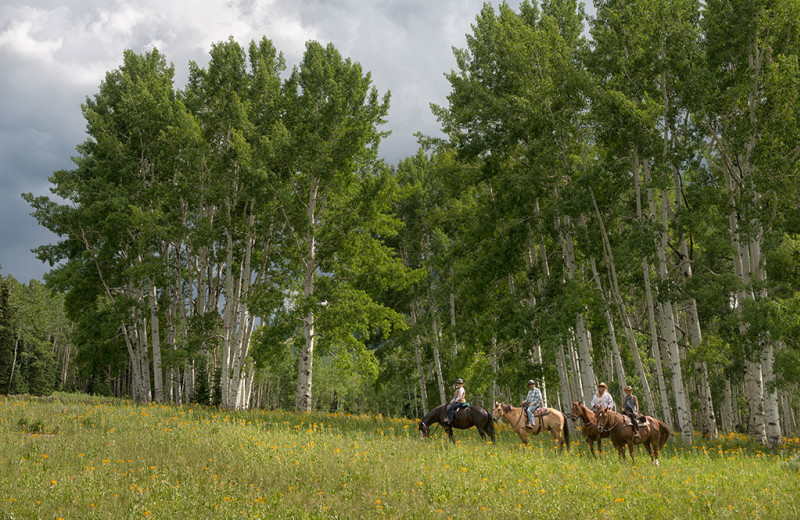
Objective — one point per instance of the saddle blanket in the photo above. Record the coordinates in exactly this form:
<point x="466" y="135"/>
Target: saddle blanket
<point x="541" y="412"/>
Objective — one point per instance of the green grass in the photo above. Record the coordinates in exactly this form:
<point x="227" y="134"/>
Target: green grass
<point x="80" y="457"/>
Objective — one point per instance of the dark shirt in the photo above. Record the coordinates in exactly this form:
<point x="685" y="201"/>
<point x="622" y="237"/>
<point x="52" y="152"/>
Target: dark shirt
<point x="629" y="403"/>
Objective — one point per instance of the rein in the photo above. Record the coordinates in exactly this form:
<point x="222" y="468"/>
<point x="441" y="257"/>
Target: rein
<point x="608" y="428"/>
<point x="521" y="415"/>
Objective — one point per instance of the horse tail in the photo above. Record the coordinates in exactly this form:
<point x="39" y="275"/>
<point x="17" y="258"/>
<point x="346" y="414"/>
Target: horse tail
<point x="566" y="431"/>
<point x="666" y="433"/>
<point x="490" y="425"/>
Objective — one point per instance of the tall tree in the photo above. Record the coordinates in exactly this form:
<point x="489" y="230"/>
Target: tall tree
<point x="332" y="120"/>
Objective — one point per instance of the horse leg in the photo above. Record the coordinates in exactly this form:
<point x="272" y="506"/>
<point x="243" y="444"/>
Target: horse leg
<point x="652" y="448"/>
<point x="630" y="449"/>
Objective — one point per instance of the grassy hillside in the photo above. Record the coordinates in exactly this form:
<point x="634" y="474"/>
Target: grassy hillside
<point x="81" y="457"/>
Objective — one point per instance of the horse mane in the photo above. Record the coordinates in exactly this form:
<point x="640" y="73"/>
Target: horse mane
<point x="585" y="411"/>
<point x="428" y="419"/>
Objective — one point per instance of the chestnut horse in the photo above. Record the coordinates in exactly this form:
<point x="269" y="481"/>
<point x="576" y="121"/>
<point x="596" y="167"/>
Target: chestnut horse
<point x="588" y="426"/>
<point x="653" y="433"/>
<point x="554" y="421"/>
<point x="465" y="417"/>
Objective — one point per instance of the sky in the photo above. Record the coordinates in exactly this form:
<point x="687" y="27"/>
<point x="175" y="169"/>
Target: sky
<point x="55" y="53"/>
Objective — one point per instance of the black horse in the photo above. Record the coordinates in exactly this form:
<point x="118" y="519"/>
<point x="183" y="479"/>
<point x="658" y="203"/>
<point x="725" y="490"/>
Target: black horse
<point x="465" y="417"/>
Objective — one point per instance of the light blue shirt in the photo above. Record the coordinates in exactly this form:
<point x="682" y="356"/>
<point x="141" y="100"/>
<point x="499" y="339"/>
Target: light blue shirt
<point x="534" y="397"/>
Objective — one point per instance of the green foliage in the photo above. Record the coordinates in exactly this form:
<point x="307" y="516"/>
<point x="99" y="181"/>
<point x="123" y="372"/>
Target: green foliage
<point x="33" y="330"/>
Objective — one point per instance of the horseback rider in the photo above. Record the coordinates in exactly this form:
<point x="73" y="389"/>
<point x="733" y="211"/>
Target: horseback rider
<point x="459" y="398"/>
<point x="630" y="407"/>
<point x="532" y="402"/>
<point x="602" y="399"/>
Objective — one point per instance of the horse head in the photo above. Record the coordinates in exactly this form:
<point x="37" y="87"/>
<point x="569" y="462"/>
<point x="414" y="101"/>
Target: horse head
<point x="576" y="410"/>
<point x="423" y="428"/>
<point x="500" y="409"/>
<point x="603" y="419"/>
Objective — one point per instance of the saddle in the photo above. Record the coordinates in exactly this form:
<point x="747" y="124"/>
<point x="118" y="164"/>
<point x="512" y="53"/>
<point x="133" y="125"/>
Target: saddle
<point x="641" y="421"/>
<point x="461" y="406"/>
<point x="541" y="412"/>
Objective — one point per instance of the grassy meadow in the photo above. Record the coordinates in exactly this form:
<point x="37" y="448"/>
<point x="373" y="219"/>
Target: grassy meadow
<point x="78" y="457"/>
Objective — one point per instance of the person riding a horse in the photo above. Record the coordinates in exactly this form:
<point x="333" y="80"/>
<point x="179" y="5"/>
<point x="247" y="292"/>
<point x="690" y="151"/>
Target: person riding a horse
<point x="459" y="398"/>
<point x="532" y="402"/>
<point x="602" y="399"/>
<point x="630" y="407"/>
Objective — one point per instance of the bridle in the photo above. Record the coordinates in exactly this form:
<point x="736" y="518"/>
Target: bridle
<point x="426" y="430"/>
<point x="606" y="419"/>
<point x="519" y="419"/>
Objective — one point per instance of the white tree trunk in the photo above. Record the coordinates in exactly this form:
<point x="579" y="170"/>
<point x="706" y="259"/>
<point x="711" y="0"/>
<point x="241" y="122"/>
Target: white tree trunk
<point x="243" y="327"/>
<point x="656" y="347"/>
<point x="681" y="402"/>
<point x="495" y="370"/>
<point x="158" y="381"/>
<point x="144" y="362"/>
<point x="753" y="389"/>
<point x="563" y="375"/>
<point x="617" y="360"/>
<point x="437" y="362"/>
<point x="608" y="258"/>
<point x="537" y="360"/>
<point x="727" y="409"/>
<point x="575" y="380"/>
<point x="582" y="336"/>
<point x="306" y="364"/>
<point x="771" y="406"/>
<point x="418" y="358"/>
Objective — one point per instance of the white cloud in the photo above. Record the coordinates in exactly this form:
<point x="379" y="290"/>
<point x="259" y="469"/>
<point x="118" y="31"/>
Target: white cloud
<point x="20" y="36"/>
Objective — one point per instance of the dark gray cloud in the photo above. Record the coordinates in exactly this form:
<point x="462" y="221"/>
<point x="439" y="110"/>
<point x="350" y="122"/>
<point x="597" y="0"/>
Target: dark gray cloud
<point x="54" y="53"/>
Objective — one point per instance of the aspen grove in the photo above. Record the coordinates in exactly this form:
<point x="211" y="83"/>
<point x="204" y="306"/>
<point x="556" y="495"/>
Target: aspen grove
<point x="614" y="198"/>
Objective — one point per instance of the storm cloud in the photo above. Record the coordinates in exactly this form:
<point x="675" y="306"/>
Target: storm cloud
<point x="54" y="54"/>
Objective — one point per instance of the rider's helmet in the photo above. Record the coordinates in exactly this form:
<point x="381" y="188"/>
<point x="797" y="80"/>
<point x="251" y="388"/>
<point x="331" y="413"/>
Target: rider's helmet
<point x="531" y="382"/>
<point x="459" y="381"/>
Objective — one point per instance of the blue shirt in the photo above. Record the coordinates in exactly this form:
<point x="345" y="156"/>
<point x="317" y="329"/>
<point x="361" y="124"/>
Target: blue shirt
<point x="534" y="397"/>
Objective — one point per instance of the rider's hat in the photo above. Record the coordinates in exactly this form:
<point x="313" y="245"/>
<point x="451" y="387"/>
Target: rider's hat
<point x="603" y="385"/>
<point x="531" y="382"/>
<point x="459" y="381"/>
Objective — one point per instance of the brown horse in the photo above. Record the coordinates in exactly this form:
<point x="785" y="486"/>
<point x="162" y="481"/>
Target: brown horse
<point x="465" y="417"/>
<point x="588" y="426"/>
<point x="554" y="421"/>
<point x="652" y="433"/>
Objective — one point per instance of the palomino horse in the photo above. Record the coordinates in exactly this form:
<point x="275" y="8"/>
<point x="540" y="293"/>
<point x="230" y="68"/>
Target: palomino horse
<point x="465" y="417"/>
<point x="589" y="426"/>
<point x="653" y="433"/>
<point x="517" y="418"/>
